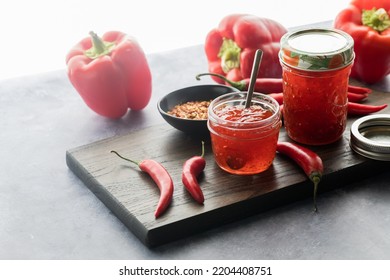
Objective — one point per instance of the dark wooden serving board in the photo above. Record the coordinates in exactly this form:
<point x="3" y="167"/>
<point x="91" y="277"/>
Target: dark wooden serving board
<point x="132" y="195"/>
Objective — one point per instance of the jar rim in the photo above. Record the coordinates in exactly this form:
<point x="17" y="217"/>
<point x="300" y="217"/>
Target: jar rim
<point x="241" y="96"/>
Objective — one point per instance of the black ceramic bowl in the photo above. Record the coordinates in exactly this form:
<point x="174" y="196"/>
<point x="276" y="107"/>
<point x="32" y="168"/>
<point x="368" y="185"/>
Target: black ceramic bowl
<point x="193" y="93"/>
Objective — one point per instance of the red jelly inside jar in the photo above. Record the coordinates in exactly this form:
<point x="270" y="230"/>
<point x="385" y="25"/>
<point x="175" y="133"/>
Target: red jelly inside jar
<point x="316" y="66"/>
<point x="244" y="139"/>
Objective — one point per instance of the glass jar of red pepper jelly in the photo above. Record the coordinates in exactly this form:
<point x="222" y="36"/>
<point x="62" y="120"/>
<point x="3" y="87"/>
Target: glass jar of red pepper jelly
<point x="316" y="66"/>
<point x="244" y="139"/>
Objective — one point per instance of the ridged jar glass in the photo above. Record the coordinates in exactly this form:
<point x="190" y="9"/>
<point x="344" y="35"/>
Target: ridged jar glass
<point x="244" y="140"/>
<point x="316" y="65"/>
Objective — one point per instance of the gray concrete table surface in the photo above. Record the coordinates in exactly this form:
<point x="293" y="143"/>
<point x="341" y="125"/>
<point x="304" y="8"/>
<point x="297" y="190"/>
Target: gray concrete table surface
<point x="46" y="212"/>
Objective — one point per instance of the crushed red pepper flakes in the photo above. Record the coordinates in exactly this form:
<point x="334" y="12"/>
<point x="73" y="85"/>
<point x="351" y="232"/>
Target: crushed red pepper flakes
<point x="194" y="110"/>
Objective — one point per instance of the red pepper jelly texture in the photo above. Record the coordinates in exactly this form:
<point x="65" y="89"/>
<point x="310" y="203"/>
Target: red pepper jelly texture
<point x="244" y="139"/>
<point x="316" y="66"/>
<point x="315" y="106"/>
<point x="238" y="113"/>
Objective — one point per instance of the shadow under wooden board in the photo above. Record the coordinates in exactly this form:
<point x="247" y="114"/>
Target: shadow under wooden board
<point x="132" y="195"/>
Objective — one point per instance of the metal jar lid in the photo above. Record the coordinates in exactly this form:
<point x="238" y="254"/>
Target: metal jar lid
<point x="370" y="136"/>
<point x="317" y="49"/>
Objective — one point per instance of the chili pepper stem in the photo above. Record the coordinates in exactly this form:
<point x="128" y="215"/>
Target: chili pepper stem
<point x="316" y="180"/>
<point x="238" y="85"/>
<point x="132" y="161"/>
<point x="202" y="155"/>
<point x="99" y="47"/>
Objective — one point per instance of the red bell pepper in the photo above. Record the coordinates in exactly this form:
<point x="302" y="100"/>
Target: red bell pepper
<point x="110" y="73"/>
<point x="230" y="48"/>
<point x="368" y="23"/>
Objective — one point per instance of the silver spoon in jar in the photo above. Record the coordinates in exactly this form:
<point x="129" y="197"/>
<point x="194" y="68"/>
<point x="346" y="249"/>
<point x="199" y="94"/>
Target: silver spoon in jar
<point x="252" y="82"/>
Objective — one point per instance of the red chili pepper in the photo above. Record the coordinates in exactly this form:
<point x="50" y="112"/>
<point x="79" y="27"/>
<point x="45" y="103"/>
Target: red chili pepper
<point x="162" y="178"/>
<point x="270" y="85"/>
<point x="308" y="160"/>
<point x="281" y="110"/>
<point x="191" y="169"/>
<point x="352" y="97"/>
<point x="357" y="89"/>
<point x="358" y="109"/>
<point x="262" y="85"/>
<point x="277" y="96"/>
<point x="356" y="97"/>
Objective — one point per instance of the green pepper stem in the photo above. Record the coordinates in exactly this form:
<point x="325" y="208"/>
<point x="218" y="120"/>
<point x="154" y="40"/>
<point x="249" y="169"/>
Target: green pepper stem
<point x="230" y="54"/>
<point x="132" y="161"/>
<point x="241" y="85"/>
<point x="99" y="47"/>
<point x="379" y="19"/>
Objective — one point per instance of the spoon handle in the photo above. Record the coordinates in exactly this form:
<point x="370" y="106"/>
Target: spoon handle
<point x="255" y="70"/>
